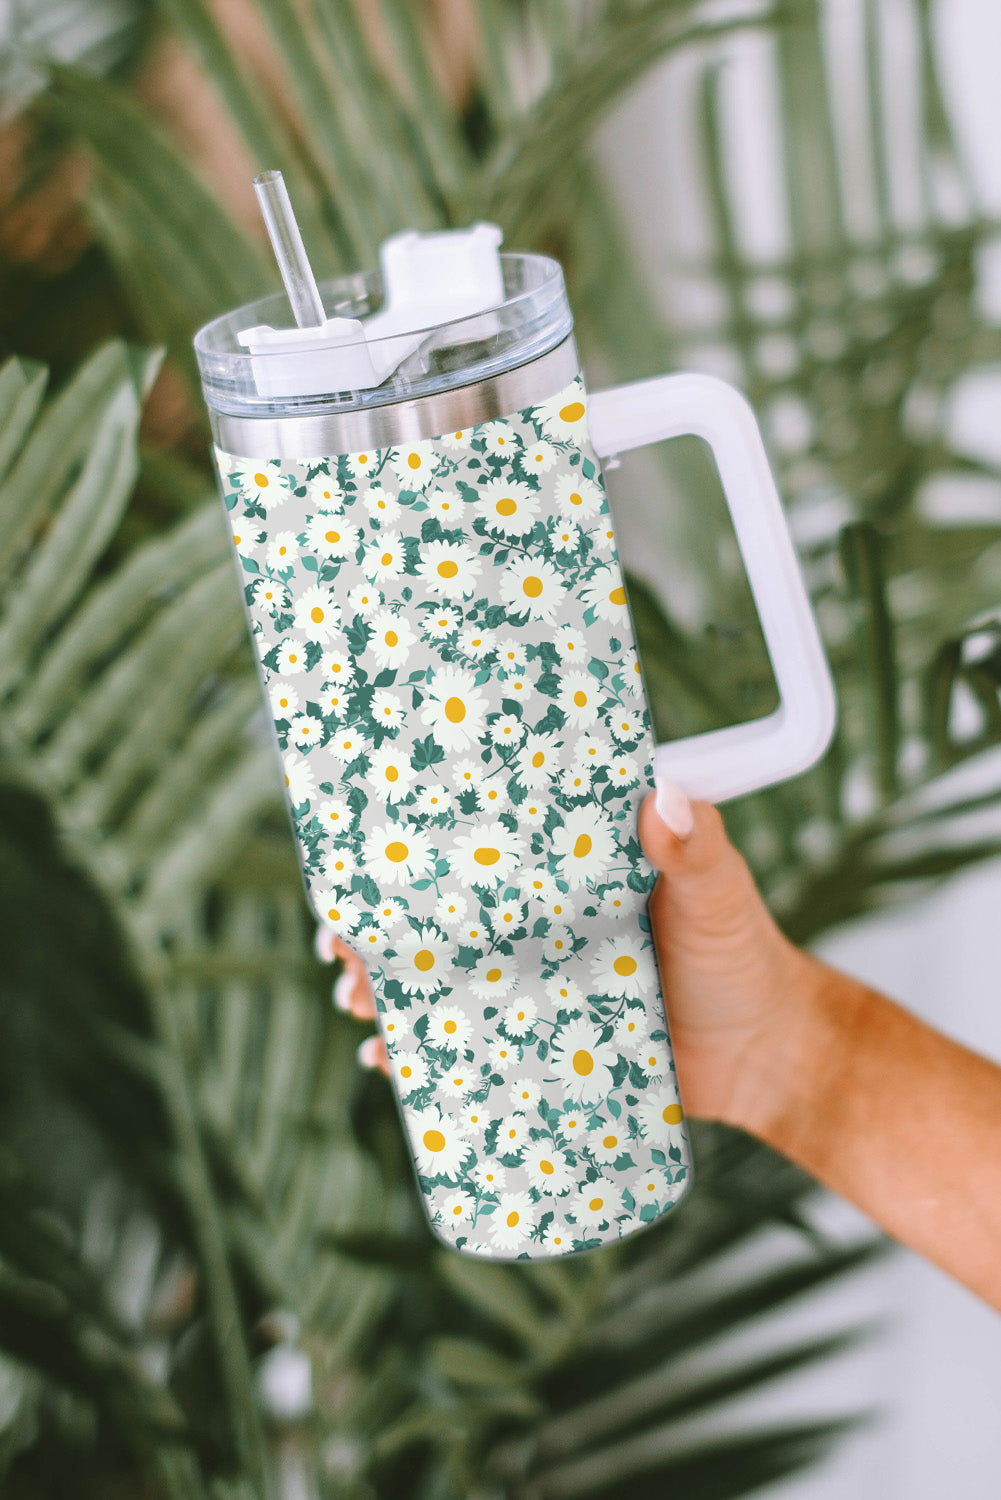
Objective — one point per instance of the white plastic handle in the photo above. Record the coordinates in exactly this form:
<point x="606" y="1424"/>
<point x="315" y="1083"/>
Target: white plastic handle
<point x="729" y="762"/>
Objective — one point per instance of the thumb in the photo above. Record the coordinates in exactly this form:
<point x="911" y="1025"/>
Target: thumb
<point x="681" y="838"/>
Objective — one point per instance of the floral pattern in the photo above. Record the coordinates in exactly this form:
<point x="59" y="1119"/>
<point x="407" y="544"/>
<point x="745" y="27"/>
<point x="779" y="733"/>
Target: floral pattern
<point x="448" y="654"/>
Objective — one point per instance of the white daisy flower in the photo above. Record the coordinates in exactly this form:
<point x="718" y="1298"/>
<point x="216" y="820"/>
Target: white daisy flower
<point x="391" y="640"/>
<point x="532" y="812"/>
<point x="382" y="506"/>
<point x="559" y="907"/>
<point x="391" y="772"/>
<point x="558" y="945"/>
<point x="370" y="939"/>
<point x="508" y="506"/>
<point x="575" y="781"/>
<point x="647" y="1188"/>
<point x="284" y="698"/>
<point x="476" y="643"/>
<point x="579" y="698"/>
<point x="500" y="437"/>
<point x="458" y="1080"/>
<point x="440" y="1145"/>
<point x="558" y="1237"/>
<point x="490" y="852"/>
<point x="395" y="1025"/>
<point x="472" y="933"/>
<point x="283" y="550"/>
<point x="507" y="730"/>
<point x="338" y="912"/>
<point x="397" y="854"/>
<point x="468" y="775"/>
<point x="360" y="465"/>
<point x="563" y="993"/>
<point x="448" y="506"/>
<point x="411" y="1071"/>
<point x="564" y="417"/>
<point x="331" y="699"/>
<point x="626" y="723"/>
<point x="531" y="584"/>
<point x="632" y="1031"/>
<point x="365" y="600"/>
<point x="622" y="968"/>
<point x="415" y="465"/>
<point x="451" y="908"/>
<point x="591" y="750"/>
<point x="571" y="644"/>
<point x="339" y="864"/>
<point x="489" y="1175"/>
<point x="623" y="770"/>
<point x="565" y="536"/>
<point x="449" y="569"/>
<point x="508" y="917"/>
<point x="434" y="800"/>
<point x="440" y="623"/>
<point x="573" y="1124"/>
<point x="460" y="439"/>
<point x="603" y="537"/>
<point x="546" y="1167"/>
<point x="264" y="487"/>
<point x="334" y="816"/>
<point x="384" y="558"/>
<point x="654" y="1059"/>
<point x="585" y="845"/>
<point x="511" y="654"/>
<point x="299" y="777"/>
<point x="388" y="913"/>
<point x="346" y="746"/>
<point x="582" y="1062"/>
<point x="512" y="1221"/>
<point x="537" y="458"/>
<point x="316" y="614"/>
<point x="332" y="536"/>
<point x="494" y="976"/>
<point x="512" y="1135"/>
<point x="536" y="885"/>
<point x="503" y="1055"/>
<point x="519" y="689"/>
<point x="539" y="760"/>
<point x="523" y="1093"/>
<point x="457" y="1207"/>
<point x="271" y="593"/>
<point x="632" y="672"/>
<point x="606" y="595"/>
<point x="598" y="1203"/>
<point x="614" y="903"/>
<point x="422" y="960"/>
<point x="291" y="657"/>
<point x="325" y="493"/>
<point x="577" y="496"/>
<point x="520" y="1017"/>
<point x="454" y="709"/>
<point x="387" y="709"/>
<point x="493" y="796"/>
<point x="476" y="1118"/>
<point x="448" y="1026"/>
<point x="607" y="1144"/>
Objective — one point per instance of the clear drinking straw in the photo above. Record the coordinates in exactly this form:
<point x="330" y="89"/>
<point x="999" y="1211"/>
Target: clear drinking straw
<point x="290" y="252"/>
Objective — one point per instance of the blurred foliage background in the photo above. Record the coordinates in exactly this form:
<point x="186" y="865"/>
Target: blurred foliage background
<point x="215" y="1282"/>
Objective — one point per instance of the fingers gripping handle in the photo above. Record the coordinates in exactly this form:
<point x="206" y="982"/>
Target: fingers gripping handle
<point x="729" y="762"/>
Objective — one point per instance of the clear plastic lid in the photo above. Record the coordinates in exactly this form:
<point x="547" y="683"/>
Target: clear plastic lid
<point x="277" y="375"/>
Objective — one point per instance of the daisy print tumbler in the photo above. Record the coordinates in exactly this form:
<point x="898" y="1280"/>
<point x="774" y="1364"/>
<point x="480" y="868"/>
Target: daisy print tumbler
<point x="415" y="495"/>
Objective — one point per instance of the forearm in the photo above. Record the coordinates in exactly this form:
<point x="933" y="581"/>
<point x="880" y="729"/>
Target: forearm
<point x="891" y="1115"/>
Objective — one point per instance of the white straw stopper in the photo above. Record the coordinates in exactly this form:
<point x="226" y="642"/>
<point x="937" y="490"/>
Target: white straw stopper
<point x="290" y="253"/>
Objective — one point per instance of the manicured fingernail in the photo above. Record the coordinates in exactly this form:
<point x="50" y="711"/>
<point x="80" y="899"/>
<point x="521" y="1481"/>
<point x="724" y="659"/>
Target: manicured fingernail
<point x="342" y="991"/>
<point x="323" y="943"/>
<point x="675" y="809"/>
<point x="368" y="1052"/>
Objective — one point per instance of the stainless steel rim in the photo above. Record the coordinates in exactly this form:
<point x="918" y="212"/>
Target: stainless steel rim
<point x="306" y="437"/>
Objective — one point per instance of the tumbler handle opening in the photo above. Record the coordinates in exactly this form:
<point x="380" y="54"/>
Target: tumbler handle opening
<point x="726" y="763"/>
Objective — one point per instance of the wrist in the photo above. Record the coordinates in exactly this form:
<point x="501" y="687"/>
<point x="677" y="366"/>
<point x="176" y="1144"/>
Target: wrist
<point x="796" y="1068"/>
